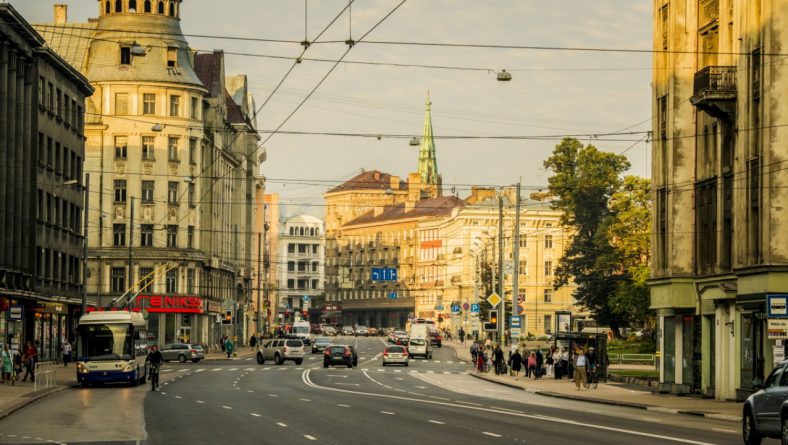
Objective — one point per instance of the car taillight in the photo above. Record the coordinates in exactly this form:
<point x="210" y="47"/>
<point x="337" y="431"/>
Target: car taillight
<point x="194" y="351"/>
<point x="285" y="349"/>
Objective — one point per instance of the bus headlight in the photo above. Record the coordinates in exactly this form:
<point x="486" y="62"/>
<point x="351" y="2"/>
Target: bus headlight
<point x="82" y="369"/>
<point x="128" y="367"/>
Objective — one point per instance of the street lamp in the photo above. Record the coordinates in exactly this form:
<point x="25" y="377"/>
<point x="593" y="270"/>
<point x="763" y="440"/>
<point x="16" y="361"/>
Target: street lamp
<point x="504" y="76"/>
<point x="84" y="241"/>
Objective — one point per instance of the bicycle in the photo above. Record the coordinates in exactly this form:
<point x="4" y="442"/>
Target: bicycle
<point x="154" y="376"/>
<point x="593" y="377"/>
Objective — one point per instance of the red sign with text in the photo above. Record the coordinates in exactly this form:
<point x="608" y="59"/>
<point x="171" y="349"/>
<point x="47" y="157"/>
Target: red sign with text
<point x="173" y="304"/>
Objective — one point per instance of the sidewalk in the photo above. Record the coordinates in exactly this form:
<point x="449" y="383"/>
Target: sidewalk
<point x="609" y="393"/>
<point x="13" y="398"/>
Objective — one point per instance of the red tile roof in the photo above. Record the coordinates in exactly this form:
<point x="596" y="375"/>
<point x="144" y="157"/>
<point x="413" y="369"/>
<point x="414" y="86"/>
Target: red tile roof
<point x="368" y="180"/>
<point x="426" y="207"/>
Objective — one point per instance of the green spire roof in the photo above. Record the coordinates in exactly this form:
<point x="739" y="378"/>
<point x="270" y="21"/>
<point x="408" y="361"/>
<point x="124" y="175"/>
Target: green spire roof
<point x="428" y="160"/>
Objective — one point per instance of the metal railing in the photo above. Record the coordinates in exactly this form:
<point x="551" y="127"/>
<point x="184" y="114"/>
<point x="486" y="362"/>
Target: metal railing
<point x="46" y="375"/>
<point x="715" y="79"/>
<point x="620" y="359"/>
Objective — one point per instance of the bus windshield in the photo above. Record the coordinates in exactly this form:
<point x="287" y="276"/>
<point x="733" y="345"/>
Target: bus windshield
<point x="300" y="329"/>
<point x="105" y="342"/>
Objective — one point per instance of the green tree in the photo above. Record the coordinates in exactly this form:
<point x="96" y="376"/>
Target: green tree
<point x="584" y="180"/>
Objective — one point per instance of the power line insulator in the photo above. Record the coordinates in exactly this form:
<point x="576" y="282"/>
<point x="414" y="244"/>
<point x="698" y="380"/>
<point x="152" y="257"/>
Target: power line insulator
<point x="350" y="42"/>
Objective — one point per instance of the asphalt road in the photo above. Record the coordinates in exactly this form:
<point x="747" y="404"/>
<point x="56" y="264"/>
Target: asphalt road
<point x="430" y="401"/>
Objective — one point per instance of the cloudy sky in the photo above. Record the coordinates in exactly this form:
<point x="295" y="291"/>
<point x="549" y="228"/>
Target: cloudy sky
<point x="553" y="92"/>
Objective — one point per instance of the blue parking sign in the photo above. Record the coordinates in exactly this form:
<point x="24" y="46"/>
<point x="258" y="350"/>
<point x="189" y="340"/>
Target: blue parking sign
<point x="475" y="307"/>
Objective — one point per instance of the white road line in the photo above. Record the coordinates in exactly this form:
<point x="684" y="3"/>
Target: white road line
<point x="387" y="412"/>
<point x="723" y="430"/>
<point x="249" y="390"/>
<point x="272" y="395"/>
<point x="436" y="361"/>
<point x="343" y="405"/>
<point x="199" y="370"/>
<point x="178" y="397"/>
<point x="266" y="369"/>
<point x="283" y="425"/>
<point x="439" y="398"/>
<point x="446" y="372"/>
<point x="249" y="369"/>
<point x="163" y="393"/>
<point x="183" y="370"/>
<point x="437" y="421"/>
<point x="310" y="437"/>
<point x="254" y="414"/>
<point x="216" y="369"/>
<point x="233" y="369"/>
<point x="305" y="400"/>
<point x="450" y="362"/>
<point x="650" y="419"/>
<point x="335" y="375"/>
<point x="491" y="434"/>
<point x="469" y="403"/>
<point x="226" y="407"/>
<point x="200" y="401"/>
<point x="349" y="384"/>
<point x="381" y="370"/>
<point x="397" y="370"/>
<point x="430" y="372"/>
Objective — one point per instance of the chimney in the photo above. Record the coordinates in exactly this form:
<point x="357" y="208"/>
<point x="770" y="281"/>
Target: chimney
<point x="376" y="175"/>
<point x="414" y="191"/>
<point x="61" y="14"/>
<point x="394" y="184"/>
<point x="479" y="194"/>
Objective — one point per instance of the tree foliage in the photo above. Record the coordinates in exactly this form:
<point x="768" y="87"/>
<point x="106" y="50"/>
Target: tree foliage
<point x="608" y="255"/>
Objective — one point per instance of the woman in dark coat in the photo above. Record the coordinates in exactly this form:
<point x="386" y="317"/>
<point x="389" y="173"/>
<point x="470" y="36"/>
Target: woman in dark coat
<point x="516" y="362"/>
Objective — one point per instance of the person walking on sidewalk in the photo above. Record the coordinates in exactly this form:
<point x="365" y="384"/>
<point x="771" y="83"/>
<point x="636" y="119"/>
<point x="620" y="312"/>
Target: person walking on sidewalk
<point x="516" y="362"/>
<point x="253" y="341"/>
<point x="65" y="349"/>
<point x="474" y="351"/>
<point x="461" y="334"/>
<point x="532" y="365"/>
<point x="7" y="364"/>
<point x="564" y="363"/>
<point x="498" y="361"/>
<point x="29" y="359"/>
<point x="228" y="347"/>
<point x="580" y="369"/>
<point x="539" y="361"/>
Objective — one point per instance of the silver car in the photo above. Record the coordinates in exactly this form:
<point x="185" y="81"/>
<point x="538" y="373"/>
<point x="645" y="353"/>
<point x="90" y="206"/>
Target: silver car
<point x="281" y="349"/>
<point x="395" y="354"/>
<point x="420" y="346"/>
<point x="182" y="352"/>
<point x="765" y="412"/>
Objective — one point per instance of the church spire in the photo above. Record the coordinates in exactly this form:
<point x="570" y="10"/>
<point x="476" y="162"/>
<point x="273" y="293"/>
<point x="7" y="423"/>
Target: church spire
<point x="428" y="160"/>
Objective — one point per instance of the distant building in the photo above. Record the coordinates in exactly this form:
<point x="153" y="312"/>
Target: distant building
<point x="41" y="189"/>
<point x="300" y="261"/>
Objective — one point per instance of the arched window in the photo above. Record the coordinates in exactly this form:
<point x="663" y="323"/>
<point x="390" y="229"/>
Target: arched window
<point x="132" y="5"/>
<point x="302" y="231"/>
<point x="118" y="5"/>
<point x="161" y="7"/>
<point x="147" y="6"/>
<point x="106" y="8"/>
<point x="172" y="9"/>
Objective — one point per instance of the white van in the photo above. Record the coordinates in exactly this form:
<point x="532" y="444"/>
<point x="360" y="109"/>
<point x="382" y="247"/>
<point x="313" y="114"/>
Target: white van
<point x="301" y="329"/>
<point x="420" y="346"/>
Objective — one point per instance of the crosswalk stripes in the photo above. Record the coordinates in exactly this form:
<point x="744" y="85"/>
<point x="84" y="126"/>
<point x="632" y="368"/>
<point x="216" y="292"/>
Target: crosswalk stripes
<point x="301" y="368"/>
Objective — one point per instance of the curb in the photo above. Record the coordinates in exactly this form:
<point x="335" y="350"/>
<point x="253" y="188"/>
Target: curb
<point x="30" y="398"/>
<point x="660" y="409"/>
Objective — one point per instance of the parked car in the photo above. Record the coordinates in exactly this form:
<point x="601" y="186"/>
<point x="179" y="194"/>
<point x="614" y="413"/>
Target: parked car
<point x="182" y="352"/>
<point x="372" y="331"/>
<point x="435" y="338"/>
<point x="400" y="338"/>
<point x="320" y="344"/>
<point x="280" y="350"/>
<point x="347" y="330"/>
<point x="362" y="330"/>
<point x="338" y="355"/>
<point x="395" y="354"/>
<point x="765" y="412"/>
<point x="329" y="330"/>
<point x="419" y="346"/>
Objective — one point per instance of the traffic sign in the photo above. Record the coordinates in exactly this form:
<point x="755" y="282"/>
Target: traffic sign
<point x="384" y="274"/>
<point x="305" y="298"/>
<point x="521" y="298"/>
<point x="466" y="306"/>
<point x="439" y="307"/>
<point x="494" y="299"/>
<point x="514" y="322"/>
<point x="516" y="333"/>
<point x="508" y="266"/>
<point x="475" y="307"/>
<point x="393" y="295"/>
<point x="455" y="308"/>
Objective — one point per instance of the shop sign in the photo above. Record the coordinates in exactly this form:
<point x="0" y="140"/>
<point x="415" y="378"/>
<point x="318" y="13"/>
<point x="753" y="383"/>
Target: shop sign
<point x="213" y="306"/>
<point x="16" y="312"/>
<point x="778" y="328"/>
<point x="174" y="304"/>
<point x="777" y="306"/>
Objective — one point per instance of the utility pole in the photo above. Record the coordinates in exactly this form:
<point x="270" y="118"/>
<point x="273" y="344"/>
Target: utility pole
<point x="131" y="243"/>
<point x="502" y="319"/>
<point x="259" y="271"/>
<point x="85" y="247"/>
<point x="516" y="252"/>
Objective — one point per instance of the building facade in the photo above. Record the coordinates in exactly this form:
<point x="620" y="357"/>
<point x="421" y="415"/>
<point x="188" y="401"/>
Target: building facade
<point x="720" y="247"/>
<point x="300" y="260"/>
<point x="41" y="189"/>
<point x="172" y="162"/>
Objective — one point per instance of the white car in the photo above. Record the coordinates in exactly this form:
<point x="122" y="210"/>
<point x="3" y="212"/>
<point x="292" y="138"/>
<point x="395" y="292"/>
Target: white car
<point x="420" y="346"/>
<point x="395" y="354"/>
<point x="362" y="330"/>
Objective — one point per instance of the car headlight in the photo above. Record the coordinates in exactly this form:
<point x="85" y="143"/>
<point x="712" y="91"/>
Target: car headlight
<point x="128" y="367"/>
<point x="82" y="369"/>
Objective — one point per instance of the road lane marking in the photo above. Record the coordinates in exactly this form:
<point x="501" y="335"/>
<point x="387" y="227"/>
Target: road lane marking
<point x="305" y="400"/>
<point x="200" y="401"/>
<point x="283" y="425"/>
<point x="226" y="407"/>
<point x="233" y="369"/>
<point x="308" y="382"/>
<point x="310" y="437"/>
<point x="723" y="430"/>
<point x="650" y="419"/>
<point x="343" y="405"/>
<point x="491" y="434"/>
<point x="336" y="375"/>
<point x="178" y="397"/>
<point x="272" y="395"/>
<point x="217" y="369"/>
<point x="254" y="414"/>
<point x="349" y="384"/>
<point x="437" y="421"/>
<point x="387" y="412"/>
<point x="199" y="370"/>
<point x="439" y="398"/>
<point x="249" y="390"/>
<point x="183" y="370"/>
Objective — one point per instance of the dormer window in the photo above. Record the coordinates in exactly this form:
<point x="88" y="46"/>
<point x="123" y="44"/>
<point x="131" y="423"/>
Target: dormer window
<point x="132" y="5"/>
<point x="118" y="5"/>
<point x="106" y="8"/>
<point x="172" y="9"/>
<point x="161" y="7"/>
<point x="172" y="57"/>
<point x="147" y="7"/>
<point x="125" y="55"/>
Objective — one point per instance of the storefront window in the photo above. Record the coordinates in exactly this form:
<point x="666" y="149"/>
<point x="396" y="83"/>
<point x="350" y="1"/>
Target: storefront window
<point x="169" y="328"/>
<point x="669" y="349"/>
<point x="687" y="343"/>
<point x="746" y="351"/>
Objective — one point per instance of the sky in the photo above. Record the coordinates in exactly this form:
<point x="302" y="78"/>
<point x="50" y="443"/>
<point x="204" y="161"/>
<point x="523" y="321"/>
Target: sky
<point x="488" y="132"/>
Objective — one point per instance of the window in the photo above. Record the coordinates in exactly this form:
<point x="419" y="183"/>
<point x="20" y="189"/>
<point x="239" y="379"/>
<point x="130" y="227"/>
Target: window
<point x="148" y="146"/>
<point x="548" y="324"/>
<point x="51" y="96"/>
<point x="548" y="241"/>
<point x="132" y="5"/>
<point x="191" y="194"/>
<point x="147" y="191"/>
<point x="548" y="295"/>
<point x="291" y="266"/>
<point x="172" y="57"/>
<point x="42" y="91"/>
<point x="175" y="105"/>
<point x="706" y="225"/>
<point x="172" y="192"/>
<point x="74" y="119"/>
<point x="195" y="108"/>
<point x="192" y="151"/>
<point x="523" y="264"/>
<point x="160" y="8"/>
<point x="291" y="283"/>
<point x="80" y="122"/>
<point x="146" y="279"/>
<point x="58" y="158"/>
<point x="148" y="104"/>
<point x="125" y="55"/>
<point x="663" y="26"/>
<point x="146" y="235"/>
<point x="50" y="153"/>
<point x="118" y="6"/>
<point x="147" y="6"/>
<point x="190" y="273"/>
<point x="121" y="103"/>
<point x="67" y="107"/>
<point x="120" y="190"/>
<point x="172" y="235"/>
<point x="172" y="149"/>
<point x="121" y="147"/>
<point x="118" y="279"/>
<point x="59" y="103"/>
<point x="190" y="237"/>
<point x="172" y="10"/>
<point x="172" y="281"/>
<point x="119" y="235"/>
<point x="548" y="268"/>
<point x="291" y="248"/>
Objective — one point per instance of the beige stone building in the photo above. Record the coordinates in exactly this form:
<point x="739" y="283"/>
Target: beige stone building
<point x="168" y="144"/>
<point x="720" y="247"/>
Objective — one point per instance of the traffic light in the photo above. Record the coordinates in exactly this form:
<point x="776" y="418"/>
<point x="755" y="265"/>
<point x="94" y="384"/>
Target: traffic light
<point x="228" y="317"/>
<point x="494" y="318"/>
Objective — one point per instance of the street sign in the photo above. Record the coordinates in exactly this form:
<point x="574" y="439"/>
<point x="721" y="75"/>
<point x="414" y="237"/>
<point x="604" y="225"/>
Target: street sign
<point x="514" y="322"/>
<point x="777" y="306"/>
<point x="455" y="308"/>
<point x="521" y="298"/>
<point x="384" y="274"/>
<point x="508" y="266"/>
<point x="466" y="306"/>
<point x="777" y="328"/>
<point x="16" y="312"/>
<point x="393" y="295"/>
<point x="475" y="307"/>
<point x="439" y="307"/>
<point x="494" y="299"/>
<point x="305" y="298"/>
<point x="516" y="333"/>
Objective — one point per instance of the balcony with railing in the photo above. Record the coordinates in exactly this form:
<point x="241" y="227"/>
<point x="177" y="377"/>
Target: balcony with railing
<point x="714" y="91"/>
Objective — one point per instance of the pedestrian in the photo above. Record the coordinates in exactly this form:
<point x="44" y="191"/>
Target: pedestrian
<point x="580" y="369"/>
<point x="7" y="364"/>
<point x="461" y="334"/>
<point x="498" y="360"/>
<point x="228" y="347"/>
<point x="532" y="365"/>
<point x="222" y="341"/>
<point x="549" y="362"/>
<point x="539" y="361"/>
<point x="526" y="354"/>
<point x="65" y="349"/>
<point x="480" y="360"/>
<point x="474" y="351"/>
<point x="564" y="361"/>
<point x="253" y="341"/>
<point x="516" y="362"/>
<point x="29" y="359"/>
<point x="17" y="364"/>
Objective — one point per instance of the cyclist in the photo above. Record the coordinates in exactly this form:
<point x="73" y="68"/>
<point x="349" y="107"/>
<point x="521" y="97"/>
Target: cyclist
<point x="592" y="362"/>
<point x="155" y="359"/>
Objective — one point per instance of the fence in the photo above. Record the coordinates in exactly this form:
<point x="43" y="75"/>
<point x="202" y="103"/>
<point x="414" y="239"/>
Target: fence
<point x="46" y="375"/>
<point x="619" y="359"/>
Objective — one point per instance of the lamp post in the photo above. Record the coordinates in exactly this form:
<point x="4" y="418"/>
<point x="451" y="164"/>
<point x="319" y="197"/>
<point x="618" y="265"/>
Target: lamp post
<point x="84" y="308"/>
